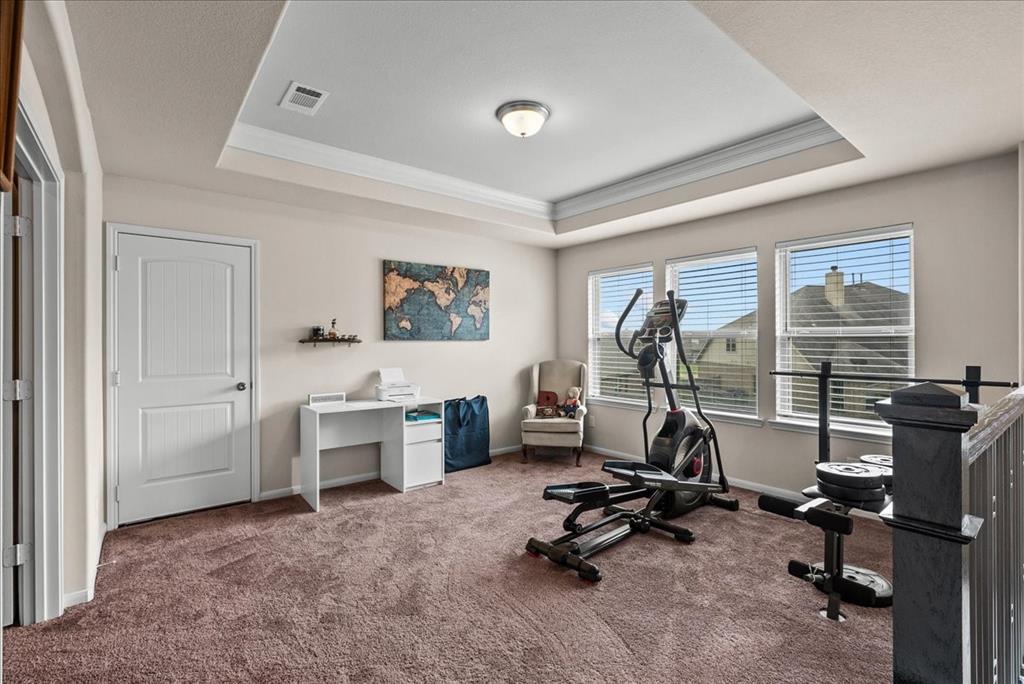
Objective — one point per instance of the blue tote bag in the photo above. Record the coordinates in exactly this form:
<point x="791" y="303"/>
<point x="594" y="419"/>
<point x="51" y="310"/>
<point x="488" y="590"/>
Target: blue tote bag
<point x="467" y="433"/>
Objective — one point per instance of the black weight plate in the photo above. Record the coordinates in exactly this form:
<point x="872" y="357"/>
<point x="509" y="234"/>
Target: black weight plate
<point x="832" y="491"/>
<point x="852" y="475"/>
<point x="887" y="477"/>
<point x="877" y="459"/>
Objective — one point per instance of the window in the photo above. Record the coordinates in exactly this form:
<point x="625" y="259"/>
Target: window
<point x="719" y="328"/>
<point x="848" y="300"/>
<point x="613" y="375"/>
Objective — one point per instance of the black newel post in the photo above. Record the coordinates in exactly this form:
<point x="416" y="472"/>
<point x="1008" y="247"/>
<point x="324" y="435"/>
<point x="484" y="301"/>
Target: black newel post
<point x="931" y="528"/>
<point x="824" y="411"/>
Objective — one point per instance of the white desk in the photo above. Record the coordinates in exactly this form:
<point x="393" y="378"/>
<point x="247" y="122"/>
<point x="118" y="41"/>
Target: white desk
<point x="411" y="453"/>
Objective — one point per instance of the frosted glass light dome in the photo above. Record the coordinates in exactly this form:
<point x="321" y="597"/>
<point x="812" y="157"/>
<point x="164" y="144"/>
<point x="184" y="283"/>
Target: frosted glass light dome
<point x="522" y="118"/>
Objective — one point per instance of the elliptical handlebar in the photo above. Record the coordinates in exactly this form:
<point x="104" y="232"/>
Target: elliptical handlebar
<point x="622" y="321"/>
<point x="678" y="334"/>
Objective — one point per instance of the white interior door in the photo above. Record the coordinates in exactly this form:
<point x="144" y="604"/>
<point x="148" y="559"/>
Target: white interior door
<point x="184" y="360"/>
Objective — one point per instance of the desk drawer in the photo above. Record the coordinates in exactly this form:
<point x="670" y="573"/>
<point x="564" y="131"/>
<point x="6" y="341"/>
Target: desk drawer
<point x="424" y="463"/>
<point x="426" y="432"/>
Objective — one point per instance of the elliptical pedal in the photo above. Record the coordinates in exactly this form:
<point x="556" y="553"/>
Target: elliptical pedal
<point x="726" y="502"/>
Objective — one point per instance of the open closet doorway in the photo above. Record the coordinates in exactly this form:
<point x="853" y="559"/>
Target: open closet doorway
<point x="17" y="374"/>
<point x="32" y="369"/>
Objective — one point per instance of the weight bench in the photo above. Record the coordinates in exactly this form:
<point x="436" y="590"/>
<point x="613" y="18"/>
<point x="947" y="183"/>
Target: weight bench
<point x="643" y="480"/>
<point x="841" y="487"/>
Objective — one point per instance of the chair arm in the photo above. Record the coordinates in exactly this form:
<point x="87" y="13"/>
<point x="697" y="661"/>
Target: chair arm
<point x="529" y="411"/>
<point x="580" y="412"/>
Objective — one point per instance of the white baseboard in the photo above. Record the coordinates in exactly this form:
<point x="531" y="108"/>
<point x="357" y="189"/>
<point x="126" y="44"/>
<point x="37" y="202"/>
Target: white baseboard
<point x="765" y="489"/>
<point x="73" y="598"/>
<point x="601" y="451"/>
<point x="743" y="484"/>
<point x="324" y="484"/>
<point x="352" y="479"/>
<point x="787" y="494"/>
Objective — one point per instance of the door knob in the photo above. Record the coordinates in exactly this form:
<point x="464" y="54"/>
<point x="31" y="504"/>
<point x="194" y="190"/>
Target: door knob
<point x="240" y="387"/>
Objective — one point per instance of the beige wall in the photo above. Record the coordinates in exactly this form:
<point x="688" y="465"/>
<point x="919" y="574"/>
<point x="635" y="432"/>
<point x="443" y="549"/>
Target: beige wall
<point x="51" y="92"/>
<point x="965" y="292"/>
<point x="315" y="266"/>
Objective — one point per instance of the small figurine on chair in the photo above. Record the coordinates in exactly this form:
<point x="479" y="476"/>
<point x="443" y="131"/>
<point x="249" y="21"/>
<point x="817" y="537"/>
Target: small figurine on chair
<point x="572" y="402"/>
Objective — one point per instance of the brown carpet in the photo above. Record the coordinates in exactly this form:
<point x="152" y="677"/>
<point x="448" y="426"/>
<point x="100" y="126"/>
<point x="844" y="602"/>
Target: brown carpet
<point x="434" y="586"/>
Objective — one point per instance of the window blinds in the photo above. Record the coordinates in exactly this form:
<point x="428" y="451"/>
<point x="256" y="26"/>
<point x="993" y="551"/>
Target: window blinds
<point x="849" y="302"/>
<point x="720" y="328"/>
<point x="613" y="375"/>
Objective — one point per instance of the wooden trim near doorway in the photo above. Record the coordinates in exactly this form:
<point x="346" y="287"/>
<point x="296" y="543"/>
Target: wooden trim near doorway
<point x="12" y="14"/>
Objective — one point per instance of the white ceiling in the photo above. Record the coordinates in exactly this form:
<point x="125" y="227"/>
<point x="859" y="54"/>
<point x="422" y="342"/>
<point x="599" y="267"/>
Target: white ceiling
<point x="912" y="85"/>
<point x="632" y="87"/>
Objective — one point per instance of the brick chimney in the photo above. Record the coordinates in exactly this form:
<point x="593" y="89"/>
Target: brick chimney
<point x="834" y="291"/>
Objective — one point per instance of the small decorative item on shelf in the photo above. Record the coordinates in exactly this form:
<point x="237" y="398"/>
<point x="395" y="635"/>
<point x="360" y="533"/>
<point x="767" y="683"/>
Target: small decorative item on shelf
<point x="332" y="336"/>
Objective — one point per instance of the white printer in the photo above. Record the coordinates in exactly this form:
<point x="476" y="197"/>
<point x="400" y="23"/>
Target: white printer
<point x="394" y="387"/>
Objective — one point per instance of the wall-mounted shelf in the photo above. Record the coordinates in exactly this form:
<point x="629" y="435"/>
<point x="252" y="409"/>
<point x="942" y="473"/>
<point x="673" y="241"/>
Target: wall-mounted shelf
<point x="327" y="340"/>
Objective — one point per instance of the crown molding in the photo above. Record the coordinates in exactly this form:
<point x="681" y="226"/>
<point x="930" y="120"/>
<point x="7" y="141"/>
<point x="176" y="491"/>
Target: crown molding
<point x="292" y="148"/>
<point x="786" y="141"/>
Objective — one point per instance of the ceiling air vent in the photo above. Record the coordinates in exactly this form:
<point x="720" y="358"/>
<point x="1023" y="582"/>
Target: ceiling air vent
<point x="302" y="98"/>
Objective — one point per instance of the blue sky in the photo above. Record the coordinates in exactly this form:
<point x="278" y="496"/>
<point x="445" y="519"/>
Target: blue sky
<point x="719" y="293"/>
<point x="885" y="262"/>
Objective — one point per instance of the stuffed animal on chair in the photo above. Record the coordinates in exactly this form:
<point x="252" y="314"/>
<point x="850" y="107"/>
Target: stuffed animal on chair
<point x="572" y="402"/>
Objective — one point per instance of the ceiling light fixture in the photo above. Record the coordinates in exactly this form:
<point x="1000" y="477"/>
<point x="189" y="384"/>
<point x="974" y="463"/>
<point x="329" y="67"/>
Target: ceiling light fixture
<point x="522" y="118"/>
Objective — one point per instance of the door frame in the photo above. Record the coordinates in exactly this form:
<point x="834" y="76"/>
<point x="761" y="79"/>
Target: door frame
<point x="110" y="272"/>
<point x="42" y="503"/>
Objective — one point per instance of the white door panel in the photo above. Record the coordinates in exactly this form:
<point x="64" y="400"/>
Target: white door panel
<point x="183" y="348"/>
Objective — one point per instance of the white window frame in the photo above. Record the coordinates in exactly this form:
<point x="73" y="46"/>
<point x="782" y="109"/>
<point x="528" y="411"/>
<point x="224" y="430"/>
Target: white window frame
<point x="593" y="378"/>
<point x="672" y="283"/>
<point x="783" y="409"/>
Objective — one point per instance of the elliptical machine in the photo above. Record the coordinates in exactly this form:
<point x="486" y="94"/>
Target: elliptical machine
<point x="676" y="475"/>
<point x="690" y="432"/>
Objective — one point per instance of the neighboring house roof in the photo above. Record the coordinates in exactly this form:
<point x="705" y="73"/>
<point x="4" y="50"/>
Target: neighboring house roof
<point x="864" y="304"/>
<point x="874" y="355"/>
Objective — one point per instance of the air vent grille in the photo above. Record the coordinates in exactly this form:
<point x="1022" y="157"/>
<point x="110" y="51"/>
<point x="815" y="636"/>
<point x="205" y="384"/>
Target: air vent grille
<point x="303" y="98"/>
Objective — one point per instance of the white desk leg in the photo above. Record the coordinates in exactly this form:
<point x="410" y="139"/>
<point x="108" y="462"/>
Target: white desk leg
<point x="309" y="457"/>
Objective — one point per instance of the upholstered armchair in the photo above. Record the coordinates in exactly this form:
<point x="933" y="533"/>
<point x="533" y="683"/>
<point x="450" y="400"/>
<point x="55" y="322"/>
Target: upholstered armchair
<point x="555" y="376"/>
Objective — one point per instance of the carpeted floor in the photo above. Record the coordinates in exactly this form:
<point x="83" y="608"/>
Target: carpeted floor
<point x="434" y="586"/>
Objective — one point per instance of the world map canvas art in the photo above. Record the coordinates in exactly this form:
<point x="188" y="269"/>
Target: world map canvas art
<point x="426" y="302"/>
